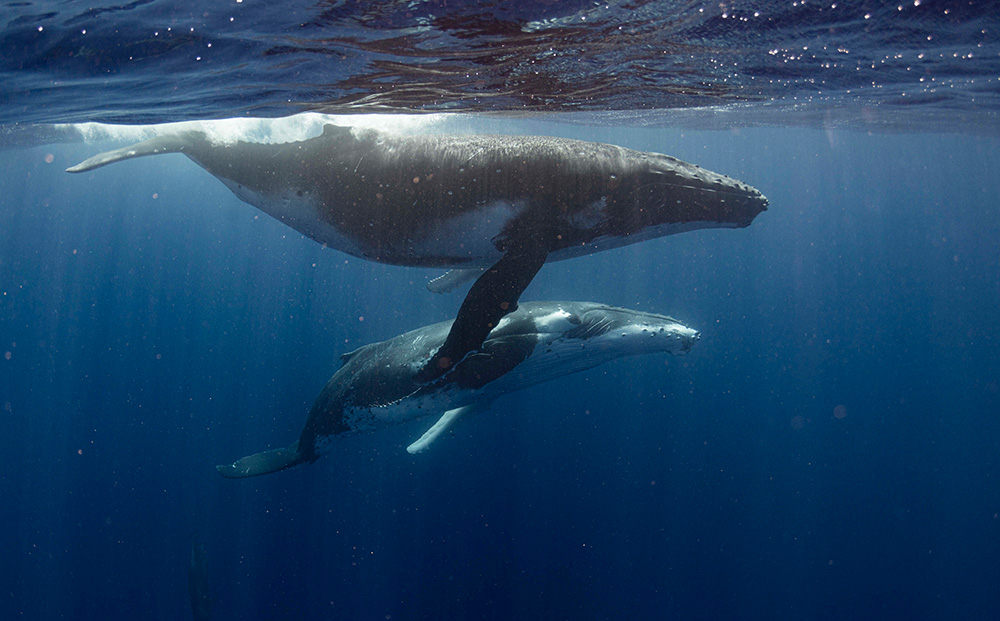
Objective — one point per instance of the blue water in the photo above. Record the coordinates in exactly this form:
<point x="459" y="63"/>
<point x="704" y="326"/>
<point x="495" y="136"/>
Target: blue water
<point x="830" y="449"/>
<point x="907" y="63"/>
<point x="157" y="325"/>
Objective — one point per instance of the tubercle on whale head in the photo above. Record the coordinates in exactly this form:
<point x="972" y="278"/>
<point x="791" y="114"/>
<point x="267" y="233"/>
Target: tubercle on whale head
<point x="671" y="191"/>
<point x="690" y="340"/>
<point x="637" y="331"/>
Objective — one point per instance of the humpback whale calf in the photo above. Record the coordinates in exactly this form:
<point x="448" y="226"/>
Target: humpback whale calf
<point x="495" y="207"/>
<point x="377" y="385"/>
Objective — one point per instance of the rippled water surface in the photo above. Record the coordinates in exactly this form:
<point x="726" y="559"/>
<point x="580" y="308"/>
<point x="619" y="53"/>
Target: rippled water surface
<point x="900" y="64"/>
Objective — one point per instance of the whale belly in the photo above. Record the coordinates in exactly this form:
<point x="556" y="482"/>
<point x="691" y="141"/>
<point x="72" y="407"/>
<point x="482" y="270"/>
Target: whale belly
<point x="469" y="238"/>
<point x="299" y="213"/>
<point x="373" y="417"/>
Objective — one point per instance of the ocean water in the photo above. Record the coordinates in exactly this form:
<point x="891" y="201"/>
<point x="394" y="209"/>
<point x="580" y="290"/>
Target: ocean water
<point x="898" y="64"/>
<point x="830" y="448"/>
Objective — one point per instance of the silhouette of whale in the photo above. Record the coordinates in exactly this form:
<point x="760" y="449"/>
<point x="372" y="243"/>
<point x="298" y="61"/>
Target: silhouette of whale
<point x="377" y="385"/>
<point x="496" y="207"/>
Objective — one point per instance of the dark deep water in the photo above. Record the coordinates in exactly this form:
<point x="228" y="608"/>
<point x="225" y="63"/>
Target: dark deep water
<point x="156" y="326"/>
<point x="830" y="449"/>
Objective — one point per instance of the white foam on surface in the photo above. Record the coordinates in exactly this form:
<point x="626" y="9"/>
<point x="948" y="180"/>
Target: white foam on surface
<point x="273" y="131"/>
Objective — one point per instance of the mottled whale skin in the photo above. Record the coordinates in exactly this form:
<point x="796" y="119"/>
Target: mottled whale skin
<point x="377" y="385"/>
<point x="496" y="207"/>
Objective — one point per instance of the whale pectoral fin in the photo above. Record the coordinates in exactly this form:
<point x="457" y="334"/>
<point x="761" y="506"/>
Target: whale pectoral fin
<point x="170" y="143"/>
<point x="491" y="297"/>
<point x="263" y="463"/>
<point x="442" y="425"/>
<point x="453" y="279"/>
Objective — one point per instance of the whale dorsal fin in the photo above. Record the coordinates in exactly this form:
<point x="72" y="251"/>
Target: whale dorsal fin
<point x="332" y="130"/>
<point x="344" y="358"/>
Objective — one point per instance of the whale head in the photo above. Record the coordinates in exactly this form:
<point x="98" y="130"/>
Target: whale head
<point x="574" y="336"/>
<point x="620" y="331"/>
<point x="670" y="196"/>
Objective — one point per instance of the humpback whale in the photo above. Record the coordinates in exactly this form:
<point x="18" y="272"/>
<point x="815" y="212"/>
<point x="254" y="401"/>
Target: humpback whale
<point x="495" y="207"/>
<point x="377" y="386"/>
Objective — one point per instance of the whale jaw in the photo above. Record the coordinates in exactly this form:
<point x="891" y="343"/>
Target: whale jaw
<point x="582" y="336"/>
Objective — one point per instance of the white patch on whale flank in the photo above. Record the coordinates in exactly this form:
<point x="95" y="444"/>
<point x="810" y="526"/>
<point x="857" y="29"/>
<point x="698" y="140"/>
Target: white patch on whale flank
<point x="556" y="322"/>
<point x="298" y="212"/>
<point x="473" y="231"/>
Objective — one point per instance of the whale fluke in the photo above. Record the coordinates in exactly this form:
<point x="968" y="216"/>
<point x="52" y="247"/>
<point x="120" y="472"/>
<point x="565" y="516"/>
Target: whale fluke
<point x="263" y="463"/>
<point x="169" y="143"/>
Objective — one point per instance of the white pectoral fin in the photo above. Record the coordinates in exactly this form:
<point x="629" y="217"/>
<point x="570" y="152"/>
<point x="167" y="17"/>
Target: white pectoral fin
<point x="442" y="425"/>
<point x="453" y="278"/>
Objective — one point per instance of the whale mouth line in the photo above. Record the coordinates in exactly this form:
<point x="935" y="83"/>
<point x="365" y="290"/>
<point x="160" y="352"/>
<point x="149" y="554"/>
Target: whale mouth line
<point x="749" y="193"/>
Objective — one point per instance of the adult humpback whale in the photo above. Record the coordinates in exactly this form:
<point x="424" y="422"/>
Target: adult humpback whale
<point x="497" y="207"/>
<point x="377" y="385"/>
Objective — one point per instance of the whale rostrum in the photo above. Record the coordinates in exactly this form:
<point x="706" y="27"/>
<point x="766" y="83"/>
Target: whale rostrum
<point x="377" y="386"/>
<point x="494" y="207"/>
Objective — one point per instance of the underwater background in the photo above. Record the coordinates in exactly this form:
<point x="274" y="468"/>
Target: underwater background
<point x="829" y="449"/>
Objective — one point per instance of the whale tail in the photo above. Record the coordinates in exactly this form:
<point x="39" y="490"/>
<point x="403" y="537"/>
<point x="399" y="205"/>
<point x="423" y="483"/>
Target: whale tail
<point x="265" y="462"/>
<point x="169" y="143"/>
